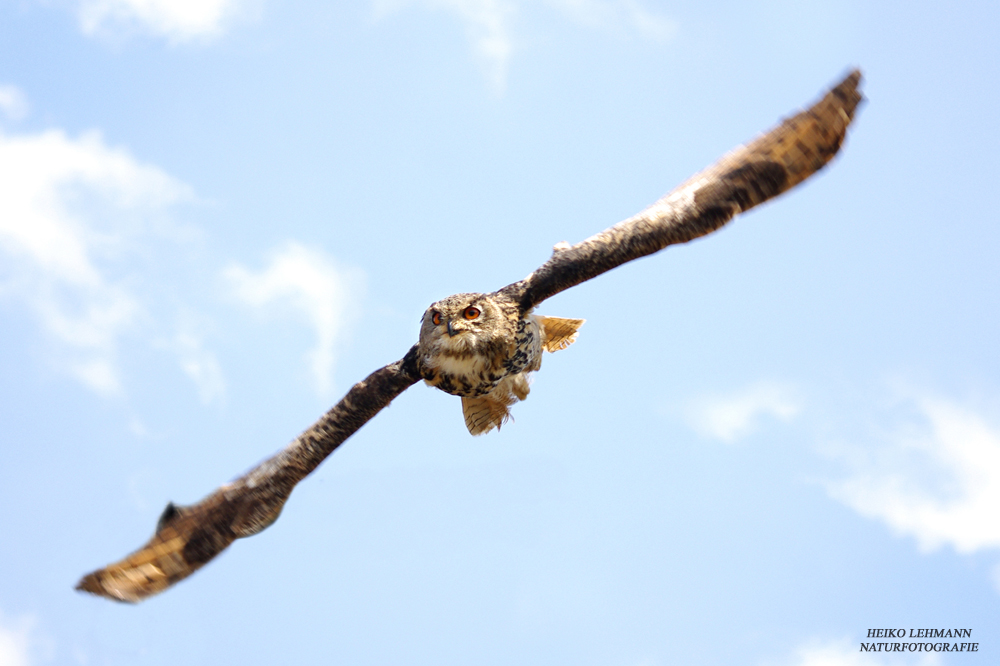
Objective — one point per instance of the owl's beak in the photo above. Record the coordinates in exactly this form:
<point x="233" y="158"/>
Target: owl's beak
<point x="451" y="330"/>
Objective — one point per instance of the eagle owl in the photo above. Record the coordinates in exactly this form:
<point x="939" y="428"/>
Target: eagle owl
<point x="480" y="347"/>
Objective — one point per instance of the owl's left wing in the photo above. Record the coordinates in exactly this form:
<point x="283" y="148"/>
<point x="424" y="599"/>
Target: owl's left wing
<point x="188" y="537"/>
<point x="749" y="175"/>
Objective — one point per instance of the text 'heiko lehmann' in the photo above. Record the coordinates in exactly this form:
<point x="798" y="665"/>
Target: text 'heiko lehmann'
<point x="909" y="645"/>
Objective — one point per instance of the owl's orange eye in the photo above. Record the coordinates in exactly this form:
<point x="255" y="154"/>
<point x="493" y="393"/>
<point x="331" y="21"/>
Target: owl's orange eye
<point x="471" y="312"/>
<point x="436" y="318"/>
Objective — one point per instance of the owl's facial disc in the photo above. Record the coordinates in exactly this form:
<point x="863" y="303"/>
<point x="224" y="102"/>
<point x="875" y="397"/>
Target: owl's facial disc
<point x="457" y="325"/>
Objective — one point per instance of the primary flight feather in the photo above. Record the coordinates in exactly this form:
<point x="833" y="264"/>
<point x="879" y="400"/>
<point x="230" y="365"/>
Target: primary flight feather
<point x="482" y="346"/>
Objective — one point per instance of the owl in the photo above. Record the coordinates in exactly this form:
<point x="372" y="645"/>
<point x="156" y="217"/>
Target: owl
<point x="482" y="348"/>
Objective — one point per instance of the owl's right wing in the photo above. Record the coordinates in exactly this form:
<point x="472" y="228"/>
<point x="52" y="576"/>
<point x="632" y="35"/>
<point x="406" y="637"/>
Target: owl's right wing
<point x="749" y="175"/>
<point x="187" y="537"/>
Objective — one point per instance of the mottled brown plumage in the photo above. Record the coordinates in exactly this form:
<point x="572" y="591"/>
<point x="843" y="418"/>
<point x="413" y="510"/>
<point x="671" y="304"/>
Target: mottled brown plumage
<point x="188" y="537"/>
<point x="482" y="347"/>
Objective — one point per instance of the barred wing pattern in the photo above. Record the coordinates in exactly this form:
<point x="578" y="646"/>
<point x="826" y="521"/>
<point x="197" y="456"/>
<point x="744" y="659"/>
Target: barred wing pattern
<point x="187" y="537"/>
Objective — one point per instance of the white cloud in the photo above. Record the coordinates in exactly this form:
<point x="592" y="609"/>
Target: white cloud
<point x="137" y="427"/>
<point x="177" y="20"/>
<point x="309" y="281"/>
<point x="70" y="209"/>
<point x="733" y="416"/>
<point x="647" y="23"/>
<point x="848" y="653"/>
<point x="935" y="477"/>
<point x="15" y="641"/>
<point x="489" y="24"/>
<point x="13" y="103"/>
<point x="201" y="366"/>
<point x="628" y="16"/>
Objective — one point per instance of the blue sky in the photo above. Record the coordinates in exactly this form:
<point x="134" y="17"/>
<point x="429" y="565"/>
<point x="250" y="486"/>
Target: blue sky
<point x="216" y="216"/>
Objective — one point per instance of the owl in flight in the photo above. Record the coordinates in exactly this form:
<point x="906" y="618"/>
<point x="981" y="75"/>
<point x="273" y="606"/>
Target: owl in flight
<point x="482" y="346"/>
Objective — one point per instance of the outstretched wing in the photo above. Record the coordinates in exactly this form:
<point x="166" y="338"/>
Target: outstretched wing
<point x="187" y="537"/>
<point x="750" y="175"/>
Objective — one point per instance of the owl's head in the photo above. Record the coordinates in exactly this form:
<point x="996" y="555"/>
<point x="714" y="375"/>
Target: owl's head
<point x="463" y="324"/>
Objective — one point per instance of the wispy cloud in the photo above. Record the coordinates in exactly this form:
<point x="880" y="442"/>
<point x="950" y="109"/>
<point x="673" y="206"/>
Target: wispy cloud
<point x="627" y="16"/>
<point x="648" y="23"/>
<point x="490" y="24"/>
<point x="730" y="417"/>
<point x="13" y="103"/>
<point x="15" y="641"/>
<point x="848" y="653"/>
<point x="70" y="209"/>
<point x="487" y="25"/>
<point x="200" y="365"/>
<point x="196" y="360"/>
<point x="318" y="290"/>
<point x="935" y="476"/>
<point x="176" y="20"/>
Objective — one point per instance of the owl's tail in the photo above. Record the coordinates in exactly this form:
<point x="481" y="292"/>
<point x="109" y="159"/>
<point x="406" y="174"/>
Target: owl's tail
<point x="483" y="414"/>
<point x="559" y="333"/>
<point x="492" y="410"/>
